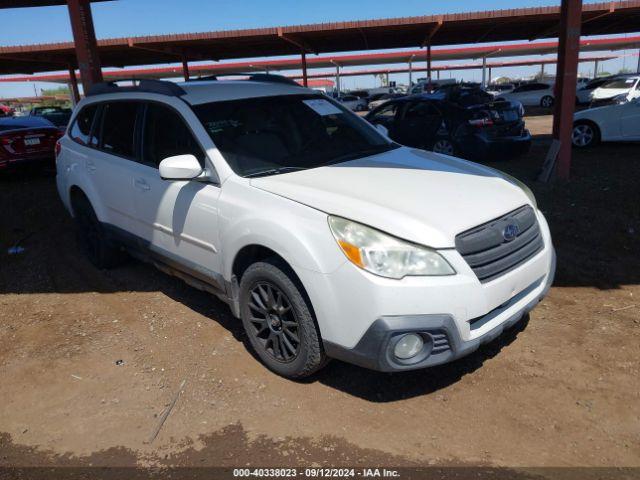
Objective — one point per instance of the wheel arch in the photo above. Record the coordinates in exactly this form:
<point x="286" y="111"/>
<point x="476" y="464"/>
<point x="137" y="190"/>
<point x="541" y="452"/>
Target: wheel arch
<point x="592" y="123"/>
<point x="77" y="188"/>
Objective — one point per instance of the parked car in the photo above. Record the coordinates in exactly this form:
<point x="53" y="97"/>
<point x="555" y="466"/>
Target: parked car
<point x="57" y="115"/>
<point x="424" y="86"/>
<point x="498" y="88"/>
<point x="531" y="95"/>
<point x="357" y="104"/>
<point x="6" y="111"/>
<point x="583" y="93"/>
<point x="624" y="86"/>
<point x="464" y="121"/>
<point x="618" y="121"/>
<point x="26" y="141"/>
<point x="383" y="99"/>
<point x="327" y="239"/>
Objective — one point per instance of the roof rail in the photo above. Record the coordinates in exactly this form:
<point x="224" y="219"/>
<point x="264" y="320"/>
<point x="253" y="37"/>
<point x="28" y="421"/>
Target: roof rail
<point x="252" y="77"/>
<point x="139" y="85"/>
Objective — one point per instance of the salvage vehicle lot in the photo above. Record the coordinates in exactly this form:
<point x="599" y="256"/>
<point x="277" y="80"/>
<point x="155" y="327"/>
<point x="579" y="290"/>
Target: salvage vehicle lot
<point x="90" y="359"/>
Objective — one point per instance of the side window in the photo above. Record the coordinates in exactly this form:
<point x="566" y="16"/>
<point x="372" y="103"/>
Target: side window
<point x="387" y="112"/>
<point x="166" y="135"/>
<point x="118" y="128"/>
<point x="420" y="110"/>
<point x="81" y="129"/>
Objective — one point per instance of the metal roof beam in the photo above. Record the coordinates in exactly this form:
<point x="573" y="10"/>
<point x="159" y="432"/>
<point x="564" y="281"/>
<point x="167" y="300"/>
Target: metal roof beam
<point x="434" y="29"/>
<point x="292" y="39"/>
<point x="171" y="51"/>
<point x="553" y="31"/>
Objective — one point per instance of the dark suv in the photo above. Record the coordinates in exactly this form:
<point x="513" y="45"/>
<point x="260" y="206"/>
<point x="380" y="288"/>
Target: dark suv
<point x="465" y="121"/>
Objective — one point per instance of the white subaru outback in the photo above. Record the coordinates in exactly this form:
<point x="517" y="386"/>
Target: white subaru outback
<point x="326" y="239"/>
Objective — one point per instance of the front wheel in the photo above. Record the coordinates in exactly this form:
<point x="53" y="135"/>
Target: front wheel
<point x="278" y="321"/>
<point x="546" y="101"/>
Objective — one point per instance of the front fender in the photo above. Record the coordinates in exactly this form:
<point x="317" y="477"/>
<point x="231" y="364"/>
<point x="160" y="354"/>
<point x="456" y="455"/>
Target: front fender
<point x="296" y="232"/>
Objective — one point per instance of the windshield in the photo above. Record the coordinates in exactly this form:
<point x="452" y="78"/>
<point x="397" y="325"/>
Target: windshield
<point x="620" y="84"/>
<point x="271" y="135"/>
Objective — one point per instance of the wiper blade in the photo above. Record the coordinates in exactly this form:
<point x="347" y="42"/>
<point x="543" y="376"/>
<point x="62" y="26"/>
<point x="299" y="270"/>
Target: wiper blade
<point x="362" y="153"/>
<point x="274" y="171"/>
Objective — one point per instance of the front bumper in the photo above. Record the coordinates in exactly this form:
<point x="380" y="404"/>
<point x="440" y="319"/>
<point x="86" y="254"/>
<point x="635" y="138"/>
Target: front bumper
<point x="443" y="342"/>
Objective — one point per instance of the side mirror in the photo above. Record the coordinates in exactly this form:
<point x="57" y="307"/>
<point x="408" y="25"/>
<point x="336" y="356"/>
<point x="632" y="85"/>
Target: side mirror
<point x="383" y="130"/>
<point x="180" y="167"/>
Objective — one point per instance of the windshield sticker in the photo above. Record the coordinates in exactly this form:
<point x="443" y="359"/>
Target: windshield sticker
<point x="322" y="107"/>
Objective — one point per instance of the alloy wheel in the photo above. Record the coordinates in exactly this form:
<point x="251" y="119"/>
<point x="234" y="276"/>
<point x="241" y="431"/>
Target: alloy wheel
<point x="443" y="146"/>
<point x="582" y="135"/>
<point x="274" y="322"/>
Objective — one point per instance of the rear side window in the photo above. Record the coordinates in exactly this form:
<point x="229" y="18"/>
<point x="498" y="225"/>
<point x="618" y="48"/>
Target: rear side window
<point x="166" y="135"/>
<point x="81" y="129"/>
<point x="118" y="128"/>
<point x="420" y="110"/>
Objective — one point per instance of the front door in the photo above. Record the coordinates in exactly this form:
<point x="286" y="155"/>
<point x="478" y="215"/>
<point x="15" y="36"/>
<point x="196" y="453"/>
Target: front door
<point x="177" y="219"/>
<point x="630" y="119"/>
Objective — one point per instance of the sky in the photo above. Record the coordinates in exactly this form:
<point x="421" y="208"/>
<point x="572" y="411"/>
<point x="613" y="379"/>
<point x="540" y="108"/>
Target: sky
<point x="123" y="18"/>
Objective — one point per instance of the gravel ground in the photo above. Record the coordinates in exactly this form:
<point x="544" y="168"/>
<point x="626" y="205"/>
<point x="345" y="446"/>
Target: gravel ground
<point x="90" y="359"/>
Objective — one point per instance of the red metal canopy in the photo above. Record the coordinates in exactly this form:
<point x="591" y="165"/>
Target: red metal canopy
<point x="447" y="29"/>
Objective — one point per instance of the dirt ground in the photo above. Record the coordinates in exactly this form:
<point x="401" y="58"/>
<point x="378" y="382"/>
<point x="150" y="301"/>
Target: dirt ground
<point x="90" y="359"/>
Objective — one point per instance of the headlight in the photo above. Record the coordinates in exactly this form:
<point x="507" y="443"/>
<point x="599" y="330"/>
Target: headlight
<point x="384" y="255"/>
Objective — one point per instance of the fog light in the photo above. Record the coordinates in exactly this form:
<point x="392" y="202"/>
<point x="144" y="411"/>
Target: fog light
<point x="408" y="346"/>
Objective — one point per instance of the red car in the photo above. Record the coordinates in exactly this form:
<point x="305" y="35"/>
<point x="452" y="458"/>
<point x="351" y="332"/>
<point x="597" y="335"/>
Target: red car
<point x="26" y="141"/>
<point x="5" y="110"/>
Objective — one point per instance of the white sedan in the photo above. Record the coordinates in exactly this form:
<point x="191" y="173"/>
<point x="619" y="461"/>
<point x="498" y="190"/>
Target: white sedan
<point x="531" y="95"/>
<point x="619" y="121"/>
<point x="618" y="86"/>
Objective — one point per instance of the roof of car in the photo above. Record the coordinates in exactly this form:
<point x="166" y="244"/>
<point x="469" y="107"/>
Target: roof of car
<point x="200" y="90"/>
<point x="219" y="90"/>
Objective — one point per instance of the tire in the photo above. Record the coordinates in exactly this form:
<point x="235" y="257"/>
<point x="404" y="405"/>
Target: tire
<point x="546" y="101"/>
<point x="91" y="237"/>
<point x="585" y="135"/>
<point x="278" y="320"/>
<point x="443" y="145"/>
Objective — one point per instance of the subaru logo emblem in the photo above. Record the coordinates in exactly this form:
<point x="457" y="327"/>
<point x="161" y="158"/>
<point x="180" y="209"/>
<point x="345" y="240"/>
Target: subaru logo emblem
<point x="510" y="232"/>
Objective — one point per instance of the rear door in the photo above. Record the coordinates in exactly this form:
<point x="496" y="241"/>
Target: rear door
<point x="176" y="219"/>
<point x="417" y="124"/>
<point x="110" y="164"/>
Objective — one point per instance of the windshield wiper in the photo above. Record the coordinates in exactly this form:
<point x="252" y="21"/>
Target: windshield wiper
<point x="273" y="171"/>
<point x="366" y="152"/>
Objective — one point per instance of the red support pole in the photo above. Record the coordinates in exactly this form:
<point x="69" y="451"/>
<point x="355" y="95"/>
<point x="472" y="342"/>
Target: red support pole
<point x="429" y="65"/>
<point x="304" y="69"/>
<point x="73" y="81"/>
<point x="566" y="76"/>
<point x="185" y="69"/>
<point x="84" y="37"/>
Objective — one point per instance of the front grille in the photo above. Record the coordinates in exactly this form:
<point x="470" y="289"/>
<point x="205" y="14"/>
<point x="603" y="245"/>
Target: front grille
<point x="490" y="254"/>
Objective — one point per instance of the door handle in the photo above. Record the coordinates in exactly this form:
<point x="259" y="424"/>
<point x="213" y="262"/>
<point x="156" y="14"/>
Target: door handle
<point x="91" y="167"/>
<point x="141" y="184"/>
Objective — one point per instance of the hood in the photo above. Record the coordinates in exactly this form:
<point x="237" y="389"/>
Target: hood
<point x="420" y="196"/>
<point x="601" y="93"/>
